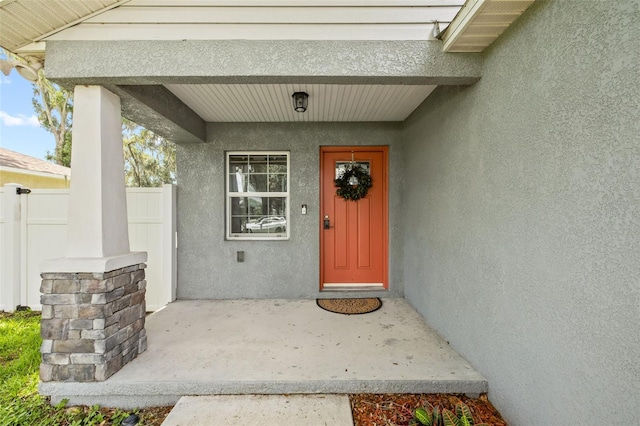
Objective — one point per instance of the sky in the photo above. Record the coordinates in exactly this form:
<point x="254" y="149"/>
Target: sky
<point x="19" y="128"/>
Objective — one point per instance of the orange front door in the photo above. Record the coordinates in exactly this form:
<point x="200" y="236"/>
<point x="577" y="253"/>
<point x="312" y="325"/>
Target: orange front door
<point x="353" y="248"/>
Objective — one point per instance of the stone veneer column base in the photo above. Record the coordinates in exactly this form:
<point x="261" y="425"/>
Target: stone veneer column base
<point x="92" y="323"/>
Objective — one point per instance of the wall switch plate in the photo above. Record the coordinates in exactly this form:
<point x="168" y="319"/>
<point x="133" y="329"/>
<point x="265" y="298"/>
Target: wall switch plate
<point x="304" y="209"/>
<point x="240" y="256"/>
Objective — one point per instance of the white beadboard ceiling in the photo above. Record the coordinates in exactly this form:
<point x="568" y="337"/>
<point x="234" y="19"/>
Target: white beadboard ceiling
<point x="327" y="102"/>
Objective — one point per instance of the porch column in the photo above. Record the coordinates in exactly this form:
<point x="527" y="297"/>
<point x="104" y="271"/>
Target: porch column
<point x="97" y="201"/>
<point x="93" y="305"/>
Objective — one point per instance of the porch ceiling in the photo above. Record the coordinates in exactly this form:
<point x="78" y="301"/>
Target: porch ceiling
<point x="31" y="26"/>
<point x="327" y="102"/>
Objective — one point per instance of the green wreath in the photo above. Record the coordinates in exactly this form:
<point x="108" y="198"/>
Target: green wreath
<point x="353" y="192"/>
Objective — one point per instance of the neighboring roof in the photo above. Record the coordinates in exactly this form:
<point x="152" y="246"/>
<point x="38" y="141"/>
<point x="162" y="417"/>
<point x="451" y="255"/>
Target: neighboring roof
<point x="16" y="160"/>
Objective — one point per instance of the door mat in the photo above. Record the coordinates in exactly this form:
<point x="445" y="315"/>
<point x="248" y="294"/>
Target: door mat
<point x="350" y="306"/>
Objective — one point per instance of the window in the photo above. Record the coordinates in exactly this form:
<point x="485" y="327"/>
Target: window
<point x="257" y="195"/>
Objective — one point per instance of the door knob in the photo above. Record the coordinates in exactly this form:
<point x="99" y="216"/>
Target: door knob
<point x="327" y="223"/>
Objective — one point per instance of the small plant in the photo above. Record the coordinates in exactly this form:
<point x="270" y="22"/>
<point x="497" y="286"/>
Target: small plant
<point x="428" y="415"/>
<point x="434" y="416"/>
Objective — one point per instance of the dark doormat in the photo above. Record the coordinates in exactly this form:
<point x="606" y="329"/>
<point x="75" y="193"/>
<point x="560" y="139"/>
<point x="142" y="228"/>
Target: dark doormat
<point x="350" y="306"/>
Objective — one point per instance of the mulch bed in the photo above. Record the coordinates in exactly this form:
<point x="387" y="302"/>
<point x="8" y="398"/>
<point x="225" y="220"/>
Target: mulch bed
<point x="398" y="409"/>
<point x="368" y="409"/>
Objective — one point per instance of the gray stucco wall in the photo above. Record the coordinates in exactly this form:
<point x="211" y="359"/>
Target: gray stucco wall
<point x="525" y="253"/>
<point x="257" y="61"/>
<point x="272" y="269"/>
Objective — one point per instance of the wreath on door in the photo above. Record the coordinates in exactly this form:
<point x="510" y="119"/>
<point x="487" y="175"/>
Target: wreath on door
<point x="354" y="183"/>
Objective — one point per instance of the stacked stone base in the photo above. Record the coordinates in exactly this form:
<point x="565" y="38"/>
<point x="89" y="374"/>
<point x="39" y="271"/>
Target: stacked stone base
<point x="92" y="323"/>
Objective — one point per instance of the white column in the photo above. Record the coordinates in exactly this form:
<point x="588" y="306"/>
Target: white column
<point x="97" y="228"/>
<point x="97" y="202"/>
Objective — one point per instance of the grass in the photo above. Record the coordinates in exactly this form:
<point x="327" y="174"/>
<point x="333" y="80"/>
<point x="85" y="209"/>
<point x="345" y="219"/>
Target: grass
<point x="19" y="362"/>
<point x="20" y="403"/>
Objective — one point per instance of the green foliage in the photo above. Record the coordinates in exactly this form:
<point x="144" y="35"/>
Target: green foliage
<point x="437" y="417"/>
<point x="19" y="352"/>
<point x="20" y="403"/>
<point x="19" y="361"/>
<point x="428" y="416"/>
<point x="464" y="413"/>
<point x="63" y="154"/>
<point x="449" y="418"/>
<point x="54" y="108"/>
<point x="90" y="416"/>
<point x="424" y="416"/>
<point x="150" y="160"/>
<point x="433" y="416"/>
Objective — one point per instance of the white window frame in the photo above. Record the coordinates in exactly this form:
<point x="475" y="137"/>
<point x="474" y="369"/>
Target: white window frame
<point x="229" y="195"/>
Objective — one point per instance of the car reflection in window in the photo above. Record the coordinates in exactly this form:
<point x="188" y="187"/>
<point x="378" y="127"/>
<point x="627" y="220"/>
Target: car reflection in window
<point x="269" y="224"/>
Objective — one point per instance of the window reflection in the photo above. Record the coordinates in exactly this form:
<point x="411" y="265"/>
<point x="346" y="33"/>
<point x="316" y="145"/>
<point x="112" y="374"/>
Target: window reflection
<point x="258" y="214"/>
<point x="257" y="193"/>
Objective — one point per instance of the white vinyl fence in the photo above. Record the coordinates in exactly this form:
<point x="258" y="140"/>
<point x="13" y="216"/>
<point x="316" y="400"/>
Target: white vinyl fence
<point x="33" y="229"/>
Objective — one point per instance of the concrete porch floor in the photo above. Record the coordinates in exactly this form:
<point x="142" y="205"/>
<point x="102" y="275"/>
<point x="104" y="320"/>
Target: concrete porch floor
<point x="210" y="347"/>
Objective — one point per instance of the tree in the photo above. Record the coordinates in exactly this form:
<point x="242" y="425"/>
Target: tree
<point x="54" y="107"/>
<point x="149" y="159"/>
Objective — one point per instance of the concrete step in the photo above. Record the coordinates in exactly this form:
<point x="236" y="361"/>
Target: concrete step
<point x="232" y="410"/>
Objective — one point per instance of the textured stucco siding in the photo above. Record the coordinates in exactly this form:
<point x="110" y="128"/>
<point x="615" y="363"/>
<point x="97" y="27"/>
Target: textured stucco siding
<point x="524" y="249"/>
<point x="258" y="61"/>
<point x="207" y="267"/>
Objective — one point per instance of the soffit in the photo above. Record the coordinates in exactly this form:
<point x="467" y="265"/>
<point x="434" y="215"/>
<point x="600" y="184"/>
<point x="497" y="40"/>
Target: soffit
<point x="480" y="22"/>
<point x="26" y="21"/>
<point x="327" y="102"/>
<point x="477" y="24"/>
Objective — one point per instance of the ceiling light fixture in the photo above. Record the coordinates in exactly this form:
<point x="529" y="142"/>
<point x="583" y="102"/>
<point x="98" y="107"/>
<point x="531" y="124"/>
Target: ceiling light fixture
<point x="300" y="101"/>
<point x="27" y="70"/>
